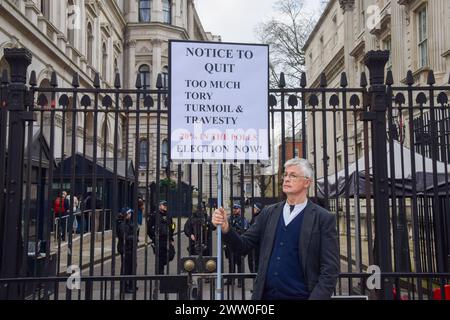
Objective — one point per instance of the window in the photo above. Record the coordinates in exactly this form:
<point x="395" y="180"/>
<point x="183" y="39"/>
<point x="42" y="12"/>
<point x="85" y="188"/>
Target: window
<point x="144" y="10"/>
<point x="70" y="22"/>
<point x="104" y="60"/>
<point x="167" y="11"/>
<point x="387" y="45"/>
<point x="165" y="76"/>
<point x="164" y="154"/>
<point x="45" y="8"/>
<point x="143" y="153"/>
<point x="144" y="72"/>
<point x="90" y="41"/>
<point x="422" y="37"/>
<point x="296" y="153"/>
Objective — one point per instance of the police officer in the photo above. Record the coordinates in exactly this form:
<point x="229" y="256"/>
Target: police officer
<point x="125" y="235"/>
<point x="197" y="228"/>
<point x="166" y="251"/>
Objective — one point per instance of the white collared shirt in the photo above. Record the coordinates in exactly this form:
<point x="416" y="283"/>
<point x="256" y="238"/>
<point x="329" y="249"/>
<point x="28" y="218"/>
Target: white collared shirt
<point x="288" y="216"/>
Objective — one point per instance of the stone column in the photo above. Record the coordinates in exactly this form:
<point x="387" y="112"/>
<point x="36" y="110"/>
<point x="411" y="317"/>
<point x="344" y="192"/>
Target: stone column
<point x="436" y="36"/>
<point x="110" y="72"/>
<point x="190" y="17"/>
<point x="447" y="26"/>
<point x="156" y="14"/>
<point x="61" y="22"/>
<point x="176" y="13"/>
<point x="81" y="34"/>
<point x="398" y="32"/>
<point x="184" y="15"/>
<point x="130" y="65"/>
<point x="348" y="7"/>
<point x="156" y="63"/>
<point x="131" y="11"/>
<point x="97" y="45"/>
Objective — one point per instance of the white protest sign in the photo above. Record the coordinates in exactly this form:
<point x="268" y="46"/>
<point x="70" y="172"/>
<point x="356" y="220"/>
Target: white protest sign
<point x="219" y="101"/>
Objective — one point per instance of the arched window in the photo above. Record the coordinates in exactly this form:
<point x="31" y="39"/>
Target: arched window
<point x="164" y="154"/>
<point x="167" y="11"/>
<point x="143" y="153"/>
<point x="70" y="22"/>
<point x="104" y="60"/>
<point x="144" y="10"/>
<point x="90" y="42"/>
<point x="144" y="72"/>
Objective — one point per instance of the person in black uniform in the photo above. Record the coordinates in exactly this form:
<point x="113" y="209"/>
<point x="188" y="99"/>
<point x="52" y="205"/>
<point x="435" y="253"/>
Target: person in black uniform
<point x="125" y="235"/>
<point x="166" y="251"/>
<point x="197" y="228"/>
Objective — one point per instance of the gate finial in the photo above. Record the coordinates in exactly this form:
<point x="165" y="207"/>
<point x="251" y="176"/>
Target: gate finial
<point x="53" y="79"/>
<point x="431" y="79"/>
<point x="138" y="84"/>
<point x="32" y="81"/>
<point x="282" y="81"/>
<point x="117" y="81"/>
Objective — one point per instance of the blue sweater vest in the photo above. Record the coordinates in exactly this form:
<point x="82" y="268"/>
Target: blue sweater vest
<point x="285" y="279"/>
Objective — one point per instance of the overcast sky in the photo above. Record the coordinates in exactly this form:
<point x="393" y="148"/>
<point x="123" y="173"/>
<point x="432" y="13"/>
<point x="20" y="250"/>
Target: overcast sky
<point x="235" y="20"/>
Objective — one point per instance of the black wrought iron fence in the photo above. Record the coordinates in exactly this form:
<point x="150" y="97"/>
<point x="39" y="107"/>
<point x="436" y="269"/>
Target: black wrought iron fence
<point x="107" y="149"/>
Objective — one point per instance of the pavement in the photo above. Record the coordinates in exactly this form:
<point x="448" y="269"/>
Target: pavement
<point x="102" y="266"/>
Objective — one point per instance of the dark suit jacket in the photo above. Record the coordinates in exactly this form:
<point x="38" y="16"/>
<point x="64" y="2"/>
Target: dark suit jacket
<point x="317" y="243"/>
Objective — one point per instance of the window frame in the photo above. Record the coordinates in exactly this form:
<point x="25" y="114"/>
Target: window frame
<point x="144" y="84"/>
<point x="422" y="36"/>
<point x="165" y="154"/>
<point x="143" y="164"/>
<point x="146" y="9"/>
<point x="167" y="11"/>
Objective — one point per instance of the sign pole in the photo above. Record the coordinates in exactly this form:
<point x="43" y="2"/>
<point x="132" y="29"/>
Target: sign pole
<point x="219" y="236"/>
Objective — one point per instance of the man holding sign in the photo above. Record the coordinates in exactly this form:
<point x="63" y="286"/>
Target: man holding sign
<point x="299" y="255"/>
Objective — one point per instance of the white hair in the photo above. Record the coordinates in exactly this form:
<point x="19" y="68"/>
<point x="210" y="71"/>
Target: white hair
<point x="303" y="164"/>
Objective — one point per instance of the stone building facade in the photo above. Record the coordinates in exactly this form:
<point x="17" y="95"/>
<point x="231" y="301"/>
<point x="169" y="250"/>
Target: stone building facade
<point x="129" y="38"/>
<point x="415" y="31"/>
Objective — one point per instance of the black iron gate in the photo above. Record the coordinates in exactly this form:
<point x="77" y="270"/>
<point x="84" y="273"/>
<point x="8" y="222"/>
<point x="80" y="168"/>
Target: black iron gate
<point x="381" y="165"/>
